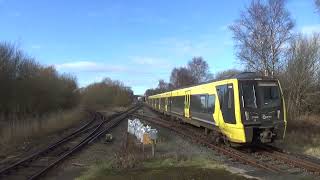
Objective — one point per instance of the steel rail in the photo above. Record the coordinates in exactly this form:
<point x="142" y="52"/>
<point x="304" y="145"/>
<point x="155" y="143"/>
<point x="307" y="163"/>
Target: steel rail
<point x="89" y="138"/>
<point x="85" y="128"/>
<point x="48" y="148"/>
<point x="292" y="160"/>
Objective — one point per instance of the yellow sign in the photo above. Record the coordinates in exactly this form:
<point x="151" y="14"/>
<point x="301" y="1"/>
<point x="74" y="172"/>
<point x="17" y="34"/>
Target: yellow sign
<point x="146" y="139"/>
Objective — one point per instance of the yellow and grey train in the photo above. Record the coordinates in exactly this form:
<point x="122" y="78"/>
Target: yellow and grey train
<point x="245" y="109"/>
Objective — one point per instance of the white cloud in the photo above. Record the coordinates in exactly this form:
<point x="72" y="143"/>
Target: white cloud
<point x="150" y="61"/>
<point x="310" y="29"/>
<point x="89" y="66"/>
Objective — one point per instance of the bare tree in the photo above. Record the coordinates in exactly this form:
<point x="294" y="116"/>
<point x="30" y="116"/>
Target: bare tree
<point x="28" y="88"/>
<point x="199" y="69"/>
<point x="163" y="85"/>
<point x="317" y="3"/>
<point x="261" y="34"/>
<point x="301" y="78"/>
<point x="181" y="77"/>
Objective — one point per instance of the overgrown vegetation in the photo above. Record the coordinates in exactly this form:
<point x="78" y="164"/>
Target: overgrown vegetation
<point x="19" y="133"/>
<point x="301" y="76"/>
<point x="28" y="88"/>
<point x="36" y="100"/>
<point x="106" y="94"/>
<point x="303" y="135"/>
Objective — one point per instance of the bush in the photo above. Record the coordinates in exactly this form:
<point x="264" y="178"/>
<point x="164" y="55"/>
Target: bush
<point x="106" y="94"/>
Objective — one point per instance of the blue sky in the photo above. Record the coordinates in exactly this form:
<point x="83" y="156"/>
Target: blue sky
<point x="137" y="42"/>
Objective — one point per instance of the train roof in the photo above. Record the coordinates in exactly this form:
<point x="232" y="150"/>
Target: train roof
<point x="240" y="76"/>
<point x="249" y="75"/>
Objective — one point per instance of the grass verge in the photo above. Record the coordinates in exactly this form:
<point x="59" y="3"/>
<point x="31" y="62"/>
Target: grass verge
<point x="303" y="135"/>
<point x="103" y="170"/>
<point x="17" y="133"/>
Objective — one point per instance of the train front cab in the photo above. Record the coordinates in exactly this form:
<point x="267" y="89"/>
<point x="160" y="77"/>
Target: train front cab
<point x="262" y="110"/>
<point x="250" y="111"/>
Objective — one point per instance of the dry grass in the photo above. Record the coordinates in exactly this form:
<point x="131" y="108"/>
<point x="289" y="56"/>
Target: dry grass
<point x="303" y="135"/>
<point x="130" y="157"/>
<point x="17" y="132"/>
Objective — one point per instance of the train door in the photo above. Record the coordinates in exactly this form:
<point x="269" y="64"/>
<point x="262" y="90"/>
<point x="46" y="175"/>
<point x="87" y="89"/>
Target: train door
<point x="187" y="104"/>
<point x="226" y="99"/>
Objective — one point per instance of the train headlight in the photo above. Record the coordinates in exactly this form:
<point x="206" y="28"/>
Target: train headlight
<point x="247" y="115"/>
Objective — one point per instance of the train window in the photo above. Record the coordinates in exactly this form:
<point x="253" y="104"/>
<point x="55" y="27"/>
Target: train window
<point x="156" y="103"/>
<point x="221" y="93"/>
<point x="211" y="105"/>
<point x="230" y="98"/>
<point x="269" y="95"/>
<point x="198" y="103"/>
<point x="163" y="103"/>
<point x="226" y="99"/>
<point x="202" y="106"/>
<point x="177" y="104"/>
<point x="248" y="96"/>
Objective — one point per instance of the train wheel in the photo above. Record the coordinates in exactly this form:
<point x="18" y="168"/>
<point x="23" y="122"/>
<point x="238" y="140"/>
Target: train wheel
<point x="219" y="140"/>
<point x="226" y="141"/>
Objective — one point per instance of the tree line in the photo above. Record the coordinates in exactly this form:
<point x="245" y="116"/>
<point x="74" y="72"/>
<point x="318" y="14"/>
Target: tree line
<point x="196" y="71"/>
<point x="105" y="94"/>
<point x="265" y="42"/>
<point x="31" y="89"/>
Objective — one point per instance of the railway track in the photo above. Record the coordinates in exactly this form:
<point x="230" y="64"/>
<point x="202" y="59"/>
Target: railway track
<point x="37" y="164"/>
<point x="287" y="161"/>
<point x="268" y="158"/>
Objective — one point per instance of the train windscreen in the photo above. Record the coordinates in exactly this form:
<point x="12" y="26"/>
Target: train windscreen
<point x="269" y="95"/>
<point x="260" y="95"/>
